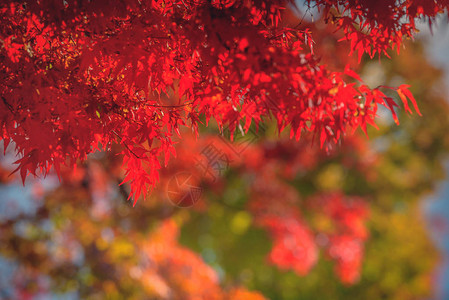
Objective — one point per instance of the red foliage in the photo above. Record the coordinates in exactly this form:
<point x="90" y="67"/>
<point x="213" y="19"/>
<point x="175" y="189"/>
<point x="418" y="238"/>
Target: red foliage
<point x="273" y="205"/>
<point x="345" y="241"/>
<point x="78" y="75"/>
<point x="375" y="26"/>
<point x="296" y="243"/>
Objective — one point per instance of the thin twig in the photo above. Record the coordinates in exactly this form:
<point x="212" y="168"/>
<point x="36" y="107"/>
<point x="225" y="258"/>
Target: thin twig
<point x="303" y="16"/>
<point x="127" y="147"/>
<point x="168" y="106"/>
<point x="184" y="4"/>
<point x="8" y="105"/>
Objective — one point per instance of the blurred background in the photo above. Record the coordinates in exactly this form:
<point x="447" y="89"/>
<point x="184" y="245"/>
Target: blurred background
<point x="259" y="217"/>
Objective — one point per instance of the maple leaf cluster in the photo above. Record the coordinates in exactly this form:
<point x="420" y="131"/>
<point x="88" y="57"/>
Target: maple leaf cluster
<point x="76" y="76"/>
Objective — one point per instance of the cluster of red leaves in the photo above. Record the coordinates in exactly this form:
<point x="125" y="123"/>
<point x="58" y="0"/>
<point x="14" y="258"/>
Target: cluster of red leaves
<point x="344" y="242"/>
<point x="296" y="244"/>
<point x="273" y="205"/>
<point x="79" y="75"/>
<point x="375" y="26"/>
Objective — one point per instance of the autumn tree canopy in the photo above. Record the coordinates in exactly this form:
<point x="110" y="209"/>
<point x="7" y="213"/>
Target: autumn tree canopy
<point x="139" y="79"/>
<point x="81" y="75"/>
